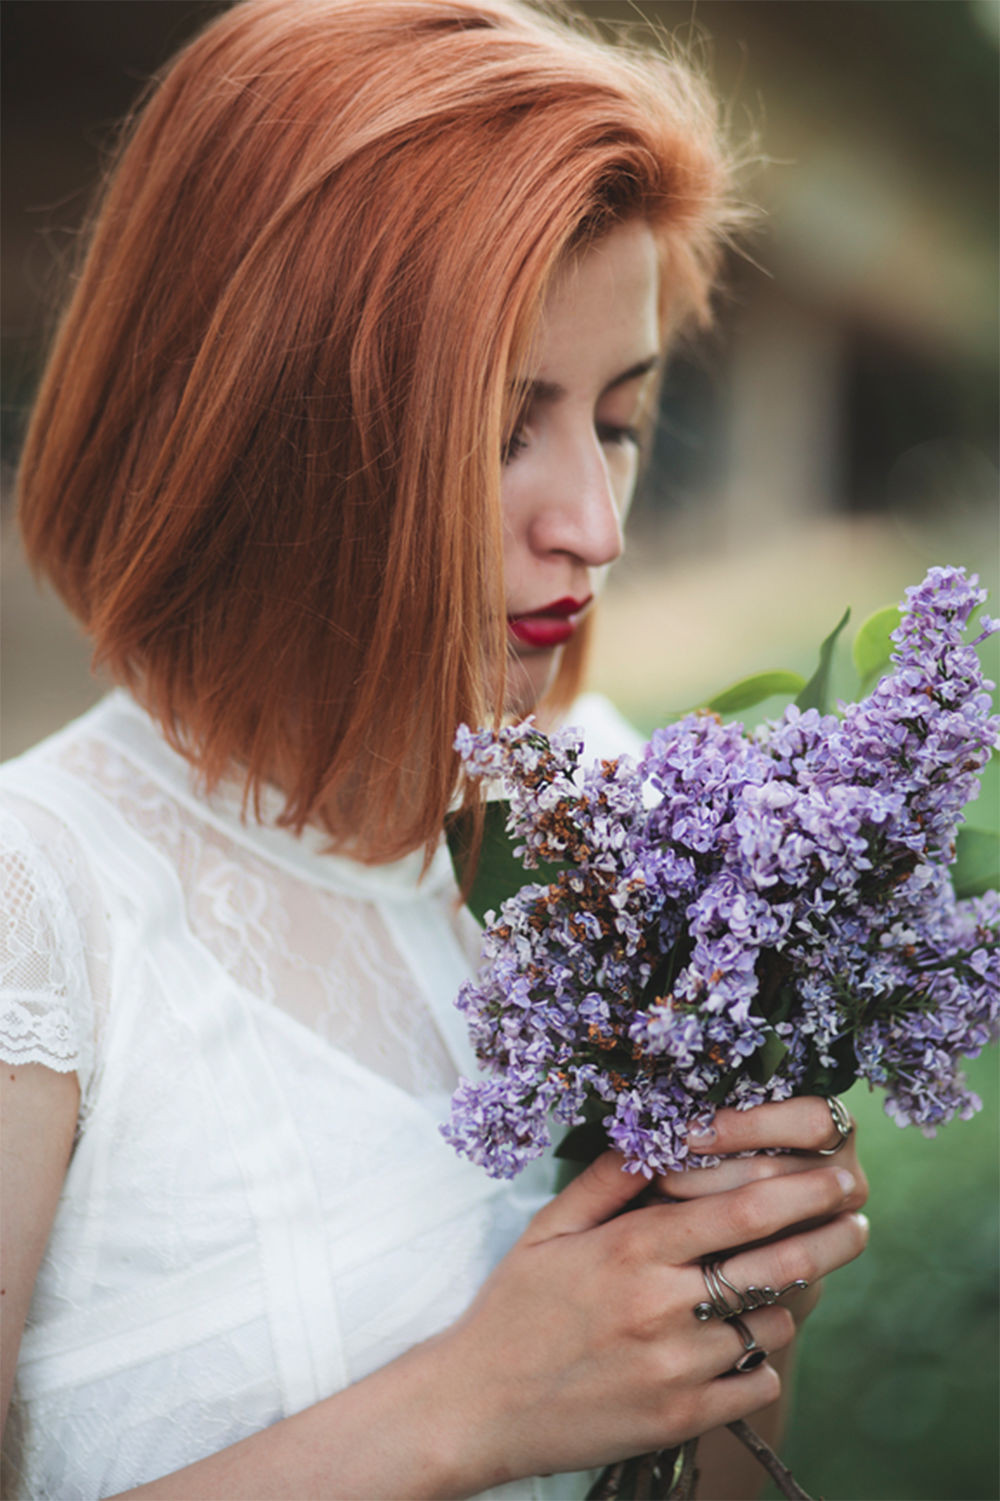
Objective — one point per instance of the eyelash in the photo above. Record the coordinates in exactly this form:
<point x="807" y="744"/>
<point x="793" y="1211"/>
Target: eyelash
<point x="607" y="432"/>
<point x="613" y="432"/>
<point x="513" y="446"/>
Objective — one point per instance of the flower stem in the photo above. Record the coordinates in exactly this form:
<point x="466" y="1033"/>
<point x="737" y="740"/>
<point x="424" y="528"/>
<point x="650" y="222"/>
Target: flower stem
<point x="605" y="1487"/>
<point x="653" y="1477"/>
<point x="687" y="1481"/>
<point x="765" y="1455"/>
<point x="650" y="1477"/>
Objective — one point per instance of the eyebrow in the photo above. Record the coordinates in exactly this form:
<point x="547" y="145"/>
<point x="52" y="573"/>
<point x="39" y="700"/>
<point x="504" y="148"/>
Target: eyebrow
<point x="549" y="390"/>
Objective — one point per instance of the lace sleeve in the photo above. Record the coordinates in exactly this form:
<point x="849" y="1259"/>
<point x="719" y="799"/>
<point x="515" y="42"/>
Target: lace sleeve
<point x="46" y="1009"/>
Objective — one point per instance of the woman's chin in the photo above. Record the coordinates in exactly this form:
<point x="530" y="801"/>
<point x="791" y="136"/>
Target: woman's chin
<point x="529" y="677"/>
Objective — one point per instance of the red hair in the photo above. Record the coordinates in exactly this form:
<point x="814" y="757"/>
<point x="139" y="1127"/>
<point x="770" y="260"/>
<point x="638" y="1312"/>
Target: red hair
<point x="264" y="464"/>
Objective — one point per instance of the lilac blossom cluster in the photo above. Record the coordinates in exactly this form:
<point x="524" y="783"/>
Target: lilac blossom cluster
<point x="739" y="917"/>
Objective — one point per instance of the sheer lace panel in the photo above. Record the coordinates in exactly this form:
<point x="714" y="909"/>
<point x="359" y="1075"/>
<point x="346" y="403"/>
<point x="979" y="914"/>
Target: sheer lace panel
<point x="323" y="957"/>
<point x="53" y="946"/>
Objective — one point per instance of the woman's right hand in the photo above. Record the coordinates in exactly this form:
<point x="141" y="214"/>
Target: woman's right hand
<point x="583" y="1347"/>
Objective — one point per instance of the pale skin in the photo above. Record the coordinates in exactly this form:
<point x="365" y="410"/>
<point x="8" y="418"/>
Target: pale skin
<point x="572" y="467"/>
<point x="582" y="1346"/>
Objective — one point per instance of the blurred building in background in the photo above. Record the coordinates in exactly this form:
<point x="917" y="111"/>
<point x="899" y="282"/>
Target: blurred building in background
<point x="869" y="330"/>
<point x="834" y="434"/>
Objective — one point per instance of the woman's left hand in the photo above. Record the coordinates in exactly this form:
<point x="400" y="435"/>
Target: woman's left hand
<point x="797" y="1128"/>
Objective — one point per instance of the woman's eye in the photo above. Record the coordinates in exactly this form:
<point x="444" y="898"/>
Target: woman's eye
<point x="514" y="445"/>
<point x="617" y="434"/>
<point x="612" y="434"/>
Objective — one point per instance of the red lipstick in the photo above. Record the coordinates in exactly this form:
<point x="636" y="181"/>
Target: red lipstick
<point x="550" y="626"/>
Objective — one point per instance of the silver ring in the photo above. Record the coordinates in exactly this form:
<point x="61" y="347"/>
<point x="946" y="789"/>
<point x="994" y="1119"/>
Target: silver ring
<point x="758" y="1297"/>
<point x="717" y="1305"/>
<point x="753" y="1297"/>
<point x="754" y="1355"/>
<point x="843" y="1125"/>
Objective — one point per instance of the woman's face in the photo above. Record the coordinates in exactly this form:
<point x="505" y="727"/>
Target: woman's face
<point x="571" y="463"/>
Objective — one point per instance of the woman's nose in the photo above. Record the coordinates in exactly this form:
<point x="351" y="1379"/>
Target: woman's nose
<point x="579" y="511"/>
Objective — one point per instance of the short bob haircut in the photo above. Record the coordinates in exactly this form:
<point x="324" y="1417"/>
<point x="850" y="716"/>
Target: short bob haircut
<point x="264" y="464"/>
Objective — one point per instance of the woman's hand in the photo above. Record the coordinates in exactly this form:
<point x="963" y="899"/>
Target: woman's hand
<point x="798" y="1128"/>
<point x="583" y="1346"/>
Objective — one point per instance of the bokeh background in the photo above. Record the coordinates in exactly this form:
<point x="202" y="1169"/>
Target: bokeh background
<point x="835" y="434"/>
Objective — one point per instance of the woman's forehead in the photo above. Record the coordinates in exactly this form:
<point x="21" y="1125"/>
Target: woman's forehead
<point x="602" y="303"/>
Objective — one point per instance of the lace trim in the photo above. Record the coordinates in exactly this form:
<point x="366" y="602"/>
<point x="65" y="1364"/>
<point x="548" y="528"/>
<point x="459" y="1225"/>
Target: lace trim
<point x="46" y="1006"/>
<point x="31" y="1035"/>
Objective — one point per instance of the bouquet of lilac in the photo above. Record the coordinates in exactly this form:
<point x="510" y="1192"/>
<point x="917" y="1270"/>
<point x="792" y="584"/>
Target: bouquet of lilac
<point x="739" y="917"/>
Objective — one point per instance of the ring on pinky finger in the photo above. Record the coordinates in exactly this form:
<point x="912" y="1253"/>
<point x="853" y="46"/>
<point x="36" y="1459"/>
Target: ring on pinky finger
<point x="753" y="1355"/>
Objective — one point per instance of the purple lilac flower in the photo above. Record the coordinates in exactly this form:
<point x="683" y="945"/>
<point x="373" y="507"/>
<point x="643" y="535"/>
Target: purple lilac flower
<point x="778" y="911"/>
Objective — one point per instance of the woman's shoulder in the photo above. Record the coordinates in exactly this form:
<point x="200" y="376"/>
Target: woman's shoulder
<point x="110" y="785"/>
<point x="36" y="774"/>
<point x="59" y="798"/>
<point x="42" y="860"/>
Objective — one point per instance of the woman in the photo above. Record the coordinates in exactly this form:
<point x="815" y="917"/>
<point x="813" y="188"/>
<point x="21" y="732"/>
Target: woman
<point x="333" y="449"/>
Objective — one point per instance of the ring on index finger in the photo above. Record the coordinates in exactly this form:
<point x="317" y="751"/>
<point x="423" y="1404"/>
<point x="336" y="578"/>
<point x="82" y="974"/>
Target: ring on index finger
<point x="843" y="1125"/>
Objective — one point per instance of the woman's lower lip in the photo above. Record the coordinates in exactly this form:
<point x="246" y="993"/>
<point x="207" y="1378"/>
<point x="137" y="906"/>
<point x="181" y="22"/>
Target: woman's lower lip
<point x="542" y="630"/>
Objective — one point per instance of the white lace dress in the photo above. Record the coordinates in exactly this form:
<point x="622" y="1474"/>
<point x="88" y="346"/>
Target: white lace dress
<point x="259" y="1208"/>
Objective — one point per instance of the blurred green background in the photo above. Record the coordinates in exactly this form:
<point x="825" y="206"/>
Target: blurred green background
<point x="832" y="436"/>
<point x="897" y="1393"/>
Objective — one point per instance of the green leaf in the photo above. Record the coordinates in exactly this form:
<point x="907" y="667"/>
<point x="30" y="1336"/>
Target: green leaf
<point x="583" y="1143"/>
<point x="499" y="873"/>
<point x="770" y="1056"/>
<point x="566" y="1171"/>
<point x="872" y="647"/>
<point x="719" y="1090"/>
<point x="977" y="866"/>
<point x="754" y="690"/>
<point x="815" y="694"/>
<point x="832" y="1078"/>
<point x="767" y="1059"/>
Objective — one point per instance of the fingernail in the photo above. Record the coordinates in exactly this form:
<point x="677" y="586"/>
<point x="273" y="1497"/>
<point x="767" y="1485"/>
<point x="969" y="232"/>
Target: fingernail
<point x="701" y="1135"/>
<point x="845" y="1179"/>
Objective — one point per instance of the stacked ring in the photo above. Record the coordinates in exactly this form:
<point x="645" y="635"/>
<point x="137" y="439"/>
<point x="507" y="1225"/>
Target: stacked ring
<point x="718" y="1305"/>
